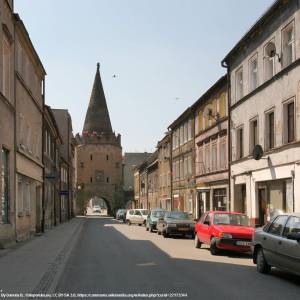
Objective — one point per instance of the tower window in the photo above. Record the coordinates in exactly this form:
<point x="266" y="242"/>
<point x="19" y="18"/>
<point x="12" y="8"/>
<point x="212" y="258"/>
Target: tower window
<point x="91" y="156"/>
<point x="107" y="179"/>
<point x="91" y="179"/>
<point x="106" y="157"/>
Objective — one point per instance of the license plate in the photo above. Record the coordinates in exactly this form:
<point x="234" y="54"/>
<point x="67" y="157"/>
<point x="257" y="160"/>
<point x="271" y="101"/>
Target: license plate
<point x="183" y="229"/>
<point x="242" y="243"/>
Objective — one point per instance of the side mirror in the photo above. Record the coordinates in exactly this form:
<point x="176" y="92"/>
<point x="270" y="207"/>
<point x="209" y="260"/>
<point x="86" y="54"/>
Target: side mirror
<point x="295" y="236"/>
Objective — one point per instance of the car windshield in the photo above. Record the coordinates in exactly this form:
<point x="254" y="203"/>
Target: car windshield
<point x="231" y="219"/>
<point x="145" y="212"/>
<point x="177" y="215"/>
<point x="158" y="214"/>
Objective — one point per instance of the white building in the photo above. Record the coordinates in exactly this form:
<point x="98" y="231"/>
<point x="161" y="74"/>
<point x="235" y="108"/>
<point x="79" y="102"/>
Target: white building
<point x="264" y="101"/>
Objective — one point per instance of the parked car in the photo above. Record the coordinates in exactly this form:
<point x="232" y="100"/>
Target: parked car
<point x="277" y="244"/>
<point x="96" y="209"/>
<point x="174" y="223"/>
<point x="153" y="217"/>
<point x="224" y="230"/>
<point x="137" y="216"/>
<point x="121" y="214"/>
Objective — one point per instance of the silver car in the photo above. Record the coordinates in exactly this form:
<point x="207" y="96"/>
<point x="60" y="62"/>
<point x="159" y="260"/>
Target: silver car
<point x="277" y="244"/>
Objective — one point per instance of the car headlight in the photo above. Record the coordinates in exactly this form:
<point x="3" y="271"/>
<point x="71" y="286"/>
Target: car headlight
<point x="225" y="235"/>
<point x="171" y="225"/>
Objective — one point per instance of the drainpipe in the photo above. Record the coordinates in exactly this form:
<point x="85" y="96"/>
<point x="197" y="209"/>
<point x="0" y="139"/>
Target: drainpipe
<point x="225" y="65"/>
<point x="43" y="161"/>
<point x="171" y="169"/>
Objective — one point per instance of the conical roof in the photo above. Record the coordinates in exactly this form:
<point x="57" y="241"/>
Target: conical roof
<point x="97" y="116"/>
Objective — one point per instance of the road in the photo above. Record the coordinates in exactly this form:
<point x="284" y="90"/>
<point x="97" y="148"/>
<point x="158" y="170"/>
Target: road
<point x="111" y="257"/>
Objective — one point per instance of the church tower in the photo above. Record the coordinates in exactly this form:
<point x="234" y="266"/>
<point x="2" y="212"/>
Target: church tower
<point x="99" y="151"/>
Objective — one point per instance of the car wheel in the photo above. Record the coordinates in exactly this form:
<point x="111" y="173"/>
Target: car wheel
<point x="261" y="263"/>
<point x="213" y="247"/>
<point x="165" y="234"/>
<point x="197" y="243"/>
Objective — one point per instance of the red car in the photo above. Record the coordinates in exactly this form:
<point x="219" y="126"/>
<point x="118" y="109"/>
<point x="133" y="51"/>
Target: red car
<point x="224" y="230"/>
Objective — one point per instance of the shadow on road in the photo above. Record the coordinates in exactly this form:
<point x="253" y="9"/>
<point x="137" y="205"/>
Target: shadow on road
<point x="105" y="260"/>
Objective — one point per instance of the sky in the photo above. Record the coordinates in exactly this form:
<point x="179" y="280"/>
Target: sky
<point x="165" y="53"/>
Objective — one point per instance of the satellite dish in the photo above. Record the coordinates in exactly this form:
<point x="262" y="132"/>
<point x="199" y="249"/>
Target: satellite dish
<point x="258" y="152"/>
<point x="270" y="49"/>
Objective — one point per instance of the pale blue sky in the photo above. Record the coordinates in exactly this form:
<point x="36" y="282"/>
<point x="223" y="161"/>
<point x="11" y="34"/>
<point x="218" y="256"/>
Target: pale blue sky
<point x="160" y="50"/>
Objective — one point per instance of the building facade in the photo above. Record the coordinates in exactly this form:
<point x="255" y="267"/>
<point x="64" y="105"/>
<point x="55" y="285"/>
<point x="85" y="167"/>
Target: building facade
<point x="99" y="153"/>
<point x="153" y="183"/>
<point x="183" y="162"/>
<point x="264" y="98"/>
<point x="67" y="156"/>
<point x="52" y="143"/>
<point x="7" y="125"/>
<point x="211" y="148"/>
<point x="164" y="171"/>
<point x="29" y="87"/>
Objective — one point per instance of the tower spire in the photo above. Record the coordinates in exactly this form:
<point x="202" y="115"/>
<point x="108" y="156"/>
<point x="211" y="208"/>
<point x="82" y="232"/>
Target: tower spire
<point x="97" y="115"/>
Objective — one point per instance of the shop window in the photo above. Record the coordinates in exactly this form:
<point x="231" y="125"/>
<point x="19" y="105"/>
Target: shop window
<point x="219" y="199"/>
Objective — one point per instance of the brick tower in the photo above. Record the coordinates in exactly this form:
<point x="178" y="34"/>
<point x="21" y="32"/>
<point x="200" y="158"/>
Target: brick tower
<point x="99" y="152"/>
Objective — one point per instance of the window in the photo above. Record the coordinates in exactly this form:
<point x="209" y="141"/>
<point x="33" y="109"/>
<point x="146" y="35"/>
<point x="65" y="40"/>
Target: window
<point x="288" y="40"/>
<point x="222" y="105"/>
<point x="181" y="134"/>
<point x="223" y="156"/>
<point x="253" y="134"/>
<point x="185" y="132"/>
<point x="253" y="73"/>
<point x="292" y="226"/>
<point x="6" y="57"/>
<point x="189" y="168"/>
<point x="199" y="163"/>
<point x="239" y="84"/>
<point x="200" y="121"/>
<point x="207" y="159"/>
<point x="181" y="168"/>
<point x="277" y="226"/>
<point x="268" y="64"/>
<point x="107" y="179"/>
<point x="214" y="156"/>
<point x="289" y="122"/>
<point x="5" y="201"/>
<point x="190" y="130"/>
<point x="20" y="197"/>
<point x="106" y="157"/>
<point x="270" y="131"/>
<point x="240" y="142"/>
<point x="91" y="179"/>
<point x="91" y="156"/>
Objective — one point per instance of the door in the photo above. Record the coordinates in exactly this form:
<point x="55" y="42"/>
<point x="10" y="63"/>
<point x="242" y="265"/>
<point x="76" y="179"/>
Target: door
<point x="272" y="238"/>
<point x="138" y="218"/>
<point x="262" y="206"/>
<point x="204" y="234"/>
<point x="289" y="250"/>
<point x="201" y="208"/>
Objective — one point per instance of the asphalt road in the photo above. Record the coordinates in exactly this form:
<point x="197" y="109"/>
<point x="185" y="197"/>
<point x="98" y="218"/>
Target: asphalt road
<point x="111" y="257"/>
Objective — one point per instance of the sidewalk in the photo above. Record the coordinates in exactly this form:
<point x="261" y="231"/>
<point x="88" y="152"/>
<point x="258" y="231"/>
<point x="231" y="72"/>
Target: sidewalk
<point x="36" y="266"/>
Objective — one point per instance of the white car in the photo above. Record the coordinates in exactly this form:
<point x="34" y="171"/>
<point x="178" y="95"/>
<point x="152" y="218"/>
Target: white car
<point x="137" y="216"/>
<point x="97" y="209"/>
